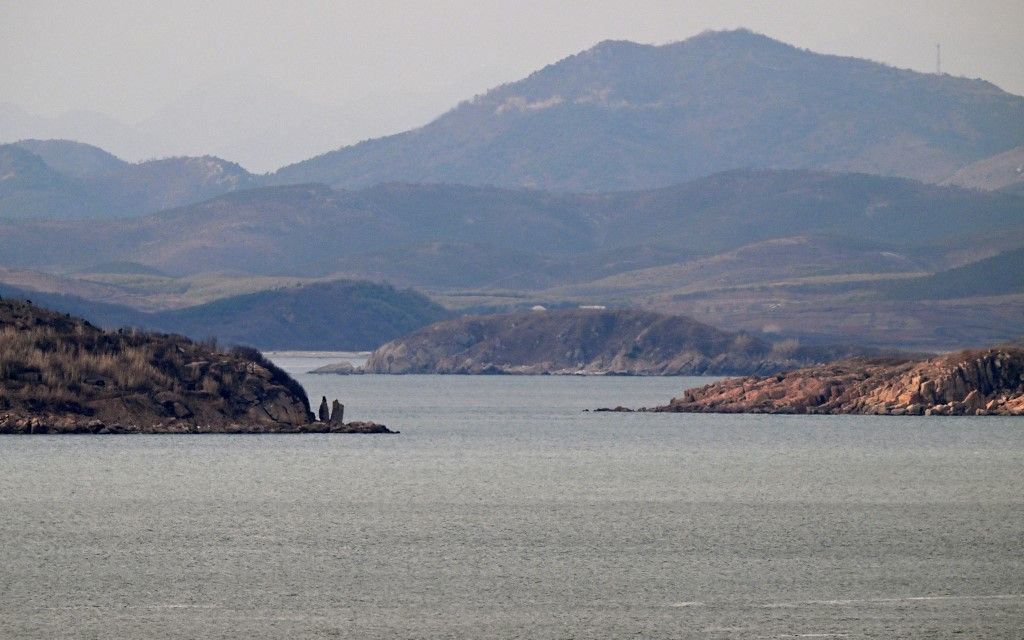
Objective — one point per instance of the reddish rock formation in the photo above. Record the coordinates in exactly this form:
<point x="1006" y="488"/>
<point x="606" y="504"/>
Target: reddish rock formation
<point x="979" y="382"/>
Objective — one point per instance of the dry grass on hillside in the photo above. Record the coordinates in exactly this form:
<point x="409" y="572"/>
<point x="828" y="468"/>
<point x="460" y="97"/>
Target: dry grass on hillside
<point x="89" y="365"/>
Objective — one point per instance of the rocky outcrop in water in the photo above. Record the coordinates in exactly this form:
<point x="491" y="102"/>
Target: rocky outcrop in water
<point x="60" y="374"/>
<point x="343" y="368"/>
<point x="337" y="413"/>
<point x="978" y="382"/>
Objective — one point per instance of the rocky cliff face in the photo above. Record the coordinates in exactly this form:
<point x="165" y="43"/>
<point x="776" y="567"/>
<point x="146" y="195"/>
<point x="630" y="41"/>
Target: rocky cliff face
<point x="583" y="341"/>
<point x="61" y="374"/>
<point x="980" y="382"/>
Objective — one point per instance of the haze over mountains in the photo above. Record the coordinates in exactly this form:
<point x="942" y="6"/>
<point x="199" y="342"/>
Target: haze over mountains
<point x="825" y="237"/>
<point x="618" y="116"/>
<point x="311" y="229"/>
<point x="343" y="315"/>
<point x="1003" y="171"/>
<point x="64" y="179"/>
<point x="250" y="120"/>
<point x="625" y="116"/>
<point x="712" y="177"/>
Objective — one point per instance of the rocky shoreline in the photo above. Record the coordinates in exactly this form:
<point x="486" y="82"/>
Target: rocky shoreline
<point x="977" y="382"/>
<point x="65" y="425"/>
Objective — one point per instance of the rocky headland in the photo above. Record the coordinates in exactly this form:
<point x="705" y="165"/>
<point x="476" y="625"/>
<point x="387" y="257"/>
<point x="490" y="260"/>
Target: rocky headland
<point x="60" y="374"/>
<point x="977" y="382"/>
<point x="588" y="342"/>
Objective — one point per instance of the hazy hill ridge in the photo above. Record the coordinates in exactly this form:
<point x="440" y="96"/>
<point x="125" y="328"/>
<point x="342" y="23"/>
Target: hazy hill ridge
<point x="348" y="316"/>
<point x="313" y="230"/>
<point x="1004" y="171"/>
<point x="74" y="159"/>
<point x="809" y="249"/>
<point x="625" y="116"/>
<point x="65" y="179"/>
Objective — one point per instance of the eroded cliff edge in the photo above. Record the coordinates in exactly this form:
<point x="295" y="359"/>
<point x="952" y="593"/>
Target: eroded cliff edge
<point x="976" y="382"/>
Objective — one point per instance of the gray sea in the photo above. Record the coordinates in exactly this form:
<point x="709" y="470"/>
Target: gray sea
<point x="504" y="511"/>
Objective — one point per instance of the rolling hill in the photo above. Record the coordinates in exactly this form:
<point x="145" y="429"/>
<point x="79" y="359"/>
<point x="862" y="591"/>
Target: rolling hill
<point x="57" y="179"/>
<point x="999" y="275"/>
<point x="625" y="116"/>
<point x="341" y="315"/>
<point x="74" y="159"/>
<point x="309" y="230"/>
<point x="30" y="188"/>
<point x="1003" y="171"/>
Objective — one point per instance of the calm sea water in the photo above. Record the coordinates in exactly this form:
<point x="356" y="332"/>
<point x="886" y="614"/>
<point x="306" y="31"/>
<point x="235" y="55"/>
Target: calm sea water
<point x="503" y="511"/>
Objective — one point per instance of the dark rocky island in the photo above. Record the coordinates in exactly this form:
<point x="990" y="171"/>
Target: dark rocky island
<point x="60" y="374"/>
<point x="978" y="382"/>
<point x="588" y="342"/>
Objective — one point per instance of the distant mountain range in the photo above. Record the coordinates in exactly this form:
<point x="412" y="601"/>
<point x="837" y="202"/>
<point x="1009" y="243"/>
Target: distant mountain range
<point x="252" y="121"/>
<point x="629" y="116"/>
<point x="626" y="116"/>
<point x="485" y="236"/>
<point x="793" y="253"/>
<point x="730" y="178"/>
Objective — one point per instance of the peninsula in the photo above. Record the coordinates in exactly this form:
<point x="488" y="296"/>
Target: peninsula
<point x="976" y="382"/>
<point x="61" y="374"/>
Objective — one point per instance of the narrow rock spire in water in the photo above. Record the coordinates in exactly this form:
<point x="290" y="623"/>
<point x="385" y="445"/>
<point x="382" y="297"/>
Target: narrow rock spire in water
<point x="323" y="414"/>
<point x="337" y="412"/>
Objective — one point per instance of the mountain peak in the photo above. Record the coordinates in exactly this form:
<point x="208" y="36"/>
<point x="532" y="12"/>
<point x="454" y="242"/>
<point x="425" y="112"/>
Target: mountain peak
<point x="615" y="46"/>
<point x="741" y="35"/>
<point x="623" y="115"/>
<point x="73" y="158"/>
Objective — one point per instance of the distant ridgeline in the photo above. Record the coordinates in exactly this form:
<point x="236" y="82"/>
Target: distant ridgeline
<point x="65" y="179"/>
<point x="341" y="315"/>
<point x="588" y="341"/>
<point x="623" y="115"/>
<point x="618" y="116"/>
<point x="729" y="177"/>
<point x="459" y="236"/>
<point x="829" y="246"/>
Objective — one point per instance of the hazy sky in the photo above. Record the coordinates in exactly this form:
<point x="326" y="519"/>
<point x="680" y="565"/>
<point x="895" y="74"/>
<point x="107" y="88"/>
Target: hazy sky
<point x="130" y="59"/>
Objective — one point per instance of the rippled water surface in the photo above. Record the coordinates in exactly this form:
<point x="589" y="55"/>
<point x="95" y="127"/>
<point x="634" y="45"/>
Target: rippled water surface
<point x="504" y="511"/>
